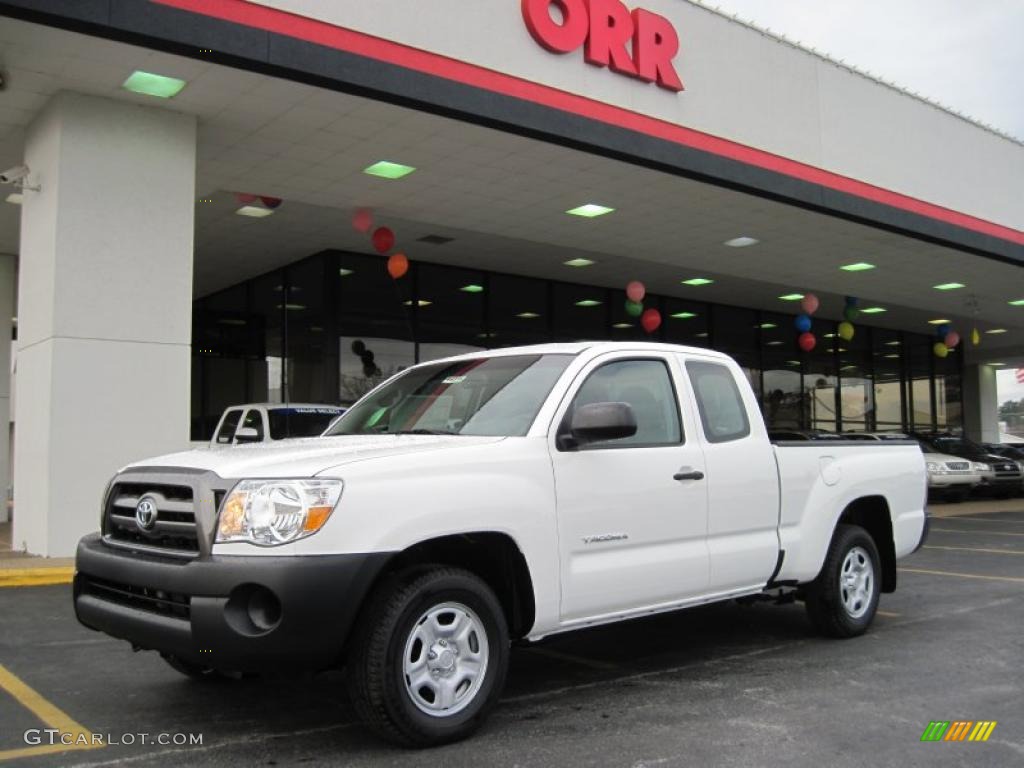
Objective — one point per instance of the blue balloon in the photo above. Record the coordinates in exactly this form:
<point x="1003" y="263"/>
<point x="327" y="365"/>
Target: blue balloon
<point x="942" y="331"/>
<point x="803" y="323"/>
<point x="851" y="301"/>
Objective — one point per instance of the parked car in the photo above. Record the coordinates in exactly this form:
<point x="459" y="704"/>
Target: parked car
<point x="949" y="478"/>
<point x="267" y="422"/>
<point x="504" y="495"/>
<point x="1000" y="477"/>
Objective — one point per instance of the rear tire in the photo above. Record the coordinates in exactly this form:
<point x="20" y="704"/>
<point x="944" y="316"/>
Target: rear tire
<point x="842" y="600"/>
<point x="429" y="657"/>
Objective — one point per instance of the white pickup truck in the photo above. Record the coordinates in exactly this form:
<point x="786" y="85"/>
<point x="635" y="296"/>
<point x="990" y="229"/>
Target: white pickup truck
<point x="497" y="496"/>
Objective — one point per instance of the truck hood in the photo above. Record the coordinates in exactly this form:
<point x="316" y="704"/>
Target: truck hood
<point x="309" y="456"/>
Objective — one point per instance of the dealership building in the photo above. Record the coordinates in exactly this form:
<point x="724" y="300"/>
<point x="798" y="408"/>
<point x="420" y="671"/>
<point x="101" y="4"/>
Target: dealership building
<point x="195" y="223"/>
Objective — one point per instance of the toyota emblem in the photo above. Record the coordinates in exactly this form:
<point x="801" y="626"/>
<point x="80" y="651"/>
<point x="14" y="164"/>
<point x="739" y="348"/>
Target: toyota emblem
<point x="145" y="513"/>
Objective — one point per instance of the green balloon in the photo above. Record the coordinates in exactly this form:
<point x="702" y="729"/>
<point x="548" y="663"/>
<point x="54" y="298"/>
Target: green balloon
<point x="634" y="308"/>
<point x="850" y="313"/>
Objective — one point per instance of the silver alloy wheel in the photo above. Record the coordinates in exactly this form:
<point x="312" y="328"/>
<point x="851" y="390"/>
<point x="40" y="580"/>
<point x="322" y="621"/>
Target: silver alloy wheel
<point x="857" y="582"/>
<point x="445" y="659"/>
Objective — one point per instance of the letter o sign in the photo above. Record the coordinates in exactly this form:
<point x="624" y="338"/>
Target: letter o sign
<point x="557" y="38"/>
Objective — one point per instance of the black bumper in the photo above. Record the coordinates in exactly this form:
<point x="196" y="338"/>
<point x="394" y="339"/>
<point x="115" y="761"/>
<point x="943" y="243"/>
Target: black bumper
<point x="245" y="614"/>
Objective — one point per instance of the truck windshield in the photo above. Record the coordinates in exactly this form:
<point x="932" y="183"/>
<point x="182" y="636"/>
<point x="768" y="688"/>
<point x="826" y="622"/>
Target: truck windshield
<point x="497" y="396"/>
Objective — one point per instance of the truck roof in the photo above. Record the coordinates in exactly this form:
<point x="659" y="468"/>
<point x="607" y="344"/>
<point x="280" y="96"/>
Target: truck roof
<point x="578" y="347"/>
<point x="285" y="405"/>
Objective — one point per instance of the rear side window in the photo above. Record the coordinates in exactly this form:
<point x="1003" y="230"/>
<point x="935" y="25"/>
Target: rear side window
<point x="647" y="387"/>
<point x="254" y="419"/>
<point x="722" y="412"/>
<point x="227" y="428"/>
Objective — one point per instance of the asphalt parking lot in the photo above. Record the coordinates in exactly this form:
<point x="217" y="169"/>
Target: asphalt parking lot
<point x="726" y="685"/>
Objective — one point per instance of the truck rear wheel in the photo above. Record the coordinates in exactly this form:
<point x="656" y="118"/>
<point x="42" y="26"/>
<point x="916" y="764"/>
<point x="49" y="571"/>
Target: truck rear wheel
<point x="429" y="657"/>
<point x="842" y="600"/>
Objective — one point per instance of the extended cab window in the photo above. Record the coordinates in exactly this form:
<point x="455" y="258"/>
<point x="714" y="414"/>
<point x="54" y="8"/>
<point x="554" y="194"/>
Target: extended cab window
<point x="646" y="386"/>
<point x="227" y="428"/>
<point x="254" y="419"/>
<point x="497" y="396"/>
<point x="722" y="412"/>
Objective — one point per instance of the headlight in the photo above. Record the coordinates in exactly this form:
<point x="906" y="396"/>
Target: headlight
<point x="272" y="512"/>
<point x="982" y="468"/>
<point x="934" y="467"/>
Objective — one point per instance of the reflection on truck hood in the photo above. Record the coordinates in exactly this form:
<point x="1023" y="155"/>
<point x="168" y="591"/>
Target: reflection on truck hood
<point x="310" y="456"/>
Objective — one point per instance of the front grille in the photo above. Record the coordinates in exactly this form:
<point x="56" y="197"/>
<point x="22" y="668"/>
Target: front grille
<point x="157" y="601"/>
<point x="1006" y="470"/>
<point x="958" y="466"/>
<point x="174" y="530"/>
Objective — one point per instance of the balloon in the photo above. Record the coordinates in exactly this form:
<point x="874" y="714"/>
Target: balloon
<point x="634" y="308"/>
<point x="271" y="202"/>
<point x="846" y="331"/>
<point x="383" y="239"/>
<point x="651" y="320"/>
<point x="807" y="341"/>
<point x="952" y="339"/>
<point x="810" y="304"/>
<point x="851" y="313"/>
<point x="975" y="337"/>
<point x="636" y="291"/>
<point x="941" y="350"/>
<point x="362" y="220"/>
<point x="943" y="330"/>
<point x="245" y="198"/>
<point x="803" y="323"/>
<point x="398" y="265"/>
<point x="851" y="301"/>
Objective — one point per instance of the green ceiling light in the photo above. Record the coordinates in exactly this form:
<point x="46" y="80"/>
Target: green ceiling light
<point x="151" y="84"/>
<point x="742" y="242"/>
<point x="388" y="170"/>
<point x="528" y="315"/>
<point x="697" y="281"/>
<point x="775" y="343"/>
<point x="588" y="303"/>
<point x="420" y="303"/>
<point x="939" y="321"/>
<point x="472" y="288"/>
<point x="1017" y="303"/>
<point x="948" y="286"/>
<point x="683" y="315"/>
<point x="860" y="266"/>
<point x="342" y="272"/>
<point x="997" y="330"/>
<point x="578" y="263"/>
<point x="892" y="357"/>
<point x="590" y="211"/>
<point x="622" y="326"/>
<point x="254" y="212"/>
<point x="873" y="310"/>
<point x="791" y="297"/>
<point x="997" y="365"/>
<point x="767" y="326"/>
<point x="292" y="307"/>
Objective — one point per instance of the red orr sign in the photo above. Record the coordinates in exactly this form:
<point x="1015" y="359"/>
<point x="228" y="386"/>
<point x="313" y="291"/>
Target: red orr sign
<point x="635" y="43"/>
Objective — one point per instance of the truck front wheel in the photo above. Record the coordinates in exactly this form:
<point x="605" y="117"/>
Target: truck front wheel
<point x="429" y="657"/>
<point x="842" y="601"/>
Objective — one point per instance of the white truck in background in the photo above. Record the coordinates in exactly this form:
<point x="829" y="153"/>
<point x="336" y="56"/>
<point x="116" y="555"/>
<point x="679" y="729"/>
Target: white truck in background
<point x="493" y="497"/>
<point x="269" y="422"/>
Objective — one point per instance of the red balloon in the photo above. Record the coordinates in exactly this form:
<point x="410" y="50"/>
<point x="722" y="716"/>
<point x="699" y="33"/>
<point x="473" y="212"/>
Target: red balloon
<point x="383" y="239"/>
<point x="635" y="291"/>
<point x="271" y="202"/>
<point x="398" y="265"/>
<point x="807" y="341"/>
<point x="952" y="339"/>
<point x="362" y="220"/>
<point x="650" y="320"/>
<point x="245" y="198"/>
<point x="809" y="304"/>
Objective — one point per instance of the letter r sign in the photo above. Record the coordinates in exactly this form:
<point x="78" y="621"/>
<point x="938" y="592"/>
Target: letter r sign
<point x="637" y="43"/>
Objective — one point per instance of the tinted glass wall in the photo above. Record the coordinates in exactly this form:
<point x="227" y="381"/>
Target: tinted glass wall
<point x="329" y="328"/>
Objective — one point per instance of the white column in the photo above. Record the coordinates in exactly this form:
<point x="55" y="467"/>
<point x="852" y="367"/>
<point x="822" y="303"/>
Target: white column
<point x="981" y="403"/>
<point x="105" y="303"/>
<point x="8" y="279"/>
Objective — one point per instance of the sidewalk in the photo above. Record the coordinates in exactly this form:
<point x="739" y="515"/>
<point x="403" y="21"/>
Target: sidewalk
<point x="977" y="507"/>
<point x="18" y="569"/>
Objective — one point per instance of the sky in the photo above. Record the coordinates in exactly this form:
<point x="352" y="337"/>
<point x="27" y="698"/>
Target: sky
<point x="967" y="54"/>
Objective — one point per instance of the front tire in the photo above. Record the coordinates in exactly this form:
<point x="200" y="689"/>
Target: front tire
<point x="429" y="658"/>
<point x="842" y="600"/>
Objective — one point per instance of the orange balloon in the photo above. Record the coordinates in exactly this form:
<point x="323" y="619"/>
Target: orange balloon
<point x="398" y="265"/>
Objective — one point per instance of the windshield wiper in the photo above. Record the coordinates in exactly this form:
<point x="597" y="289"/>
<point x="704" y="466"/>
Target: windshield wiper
<point x="423" y="432"/>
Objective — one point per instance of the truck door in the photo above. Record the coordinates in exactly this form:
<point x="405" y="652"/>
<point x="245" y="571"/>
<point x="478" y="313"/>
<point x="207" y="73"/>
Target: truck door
<point x="742" y="476"/>
<point x="632" y="512"/>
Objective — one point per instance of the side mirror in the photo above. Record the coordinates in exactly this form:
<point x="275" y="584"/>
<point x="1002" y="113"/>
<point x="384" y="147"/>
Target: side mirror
<point x="602" y="421"/>
<point x="247" y="435"/>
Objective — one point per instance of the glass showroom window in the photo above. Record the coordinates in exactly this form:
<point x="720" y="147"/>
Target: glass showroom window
<point x="919" y="359"/>
<point x="856" y="381"/>
<point x="449" y="311"/>
<point x="820" y="382"/>
<point x="736" y="332"/>
<point x="518" y="310"/>
<point x="580" y="312"/>
<point x="374" y="324"/>
<point x="685" y="322"/>
<point x="783" y="398"/>
<point x="887" y="351"/>
<point x="948" y="396"/>
<point x="312" y="362"/>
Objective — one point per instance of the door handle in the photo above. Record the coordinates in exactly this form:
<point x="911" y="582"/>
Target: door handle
<point x="688" y="474"/>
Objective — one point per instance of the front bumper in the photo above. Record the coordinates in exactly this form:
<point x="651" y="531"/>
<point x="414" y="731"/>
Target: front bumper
<point x="237" y="613"/>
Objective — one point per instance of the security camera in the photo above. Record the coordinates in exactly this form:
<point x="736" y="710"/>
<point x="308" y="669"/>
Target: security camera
<point x="14" y="175"/>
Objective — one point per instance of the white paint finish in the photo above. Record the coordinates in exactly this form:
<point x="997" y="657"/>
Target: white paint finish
<point x="742" y="85"/>
<point x="8" y="288"/>
<point x="403" y="490"/>
<point x="981" y="403"/>
<point x="104" y="307"/>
